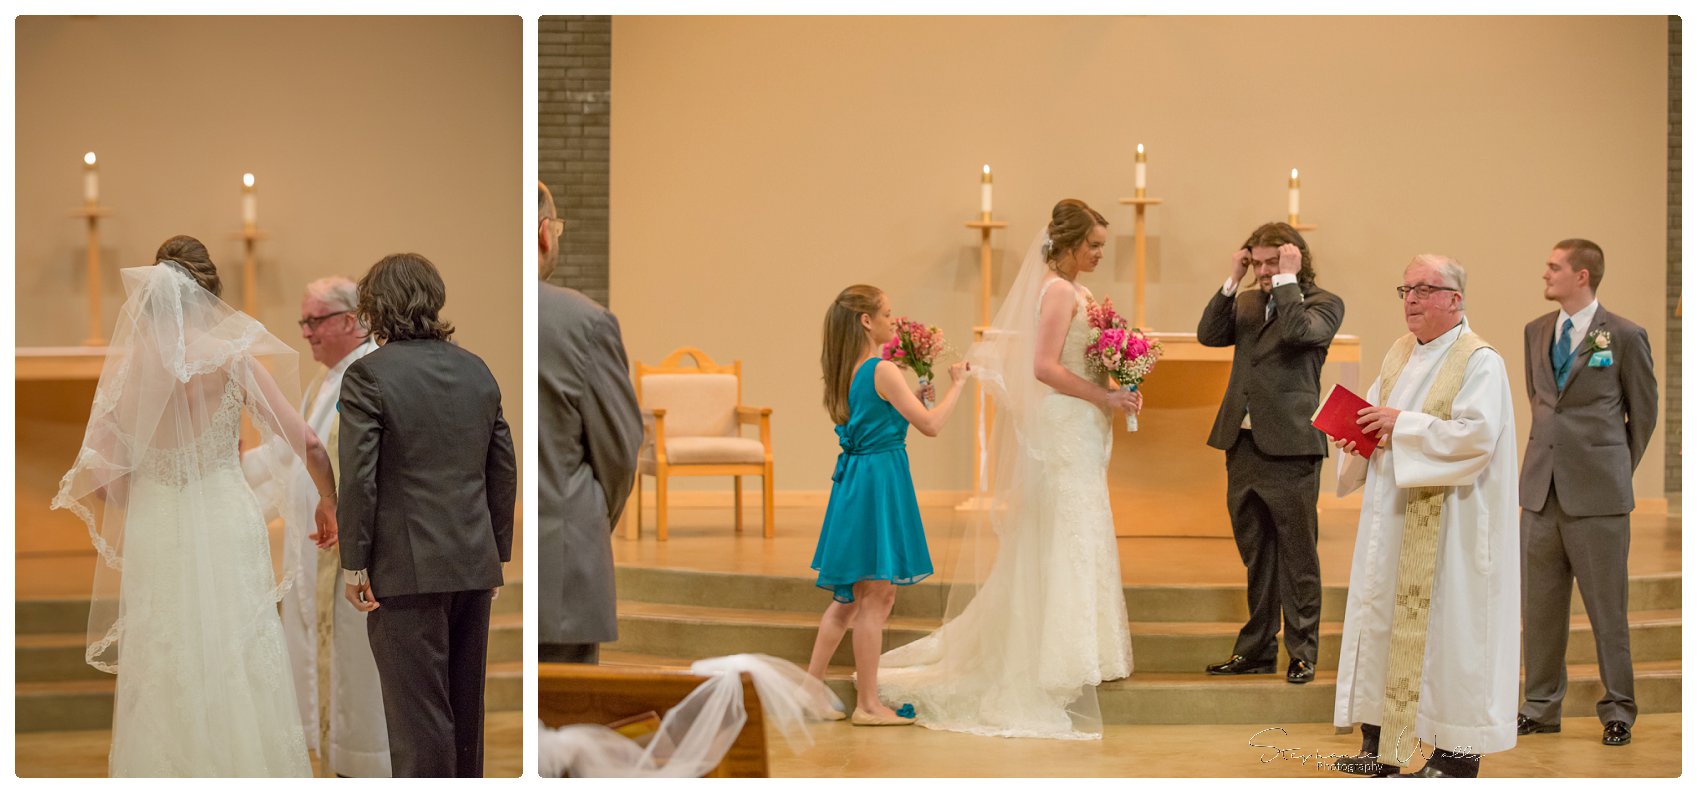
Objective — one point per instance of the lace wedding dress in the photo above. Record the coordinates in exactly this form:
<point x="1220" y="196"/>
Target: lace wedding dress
<point x="184" y="584"/>
<point x="1048" y="622"/>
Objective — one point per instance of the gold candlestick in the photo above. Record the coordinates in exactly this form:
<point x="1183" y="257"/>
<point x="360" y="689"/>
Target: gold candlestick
<point x="981" y="412"/>
<point x="1140" y="259"/>
<point x="250" y="236"/>
<point x="92" y="213"/>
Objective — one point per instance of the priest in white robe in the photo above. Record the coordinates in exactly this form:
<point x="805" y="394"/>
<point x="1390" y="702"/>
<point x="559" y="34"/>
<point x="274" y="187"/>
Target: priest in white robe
<point x="1430" y="660"/>
<point x="336" y="685"/>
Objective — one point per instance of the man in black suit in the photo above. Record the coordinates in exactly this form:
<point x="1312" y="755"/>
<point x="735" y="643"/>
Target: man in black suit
<point x="426" y="512"/>
<point x="1280" y="333"/>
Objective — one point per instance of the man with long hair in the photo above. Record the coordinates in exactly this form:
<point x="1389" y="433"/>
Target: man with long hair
<point x="428" y="488"/>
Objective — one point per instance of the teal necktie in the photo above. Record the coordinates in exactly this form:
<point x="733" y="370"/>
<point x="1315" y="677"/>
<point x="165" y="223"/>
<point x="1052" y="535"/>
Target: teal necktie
<point x="1562" y="354"/>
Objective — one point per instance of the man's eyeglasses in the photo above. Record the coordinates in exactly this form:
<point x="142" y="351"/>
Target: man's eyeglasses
<point x="312" y="323"/>
<point x="1422" y="291"/>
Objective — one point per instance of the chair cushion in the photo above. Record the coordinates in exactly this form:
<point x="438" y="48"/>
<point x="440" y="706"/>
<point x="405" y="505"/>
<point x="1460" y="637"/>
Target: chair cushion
<point x="707" y="451"/>
<point x="695" y="404"/>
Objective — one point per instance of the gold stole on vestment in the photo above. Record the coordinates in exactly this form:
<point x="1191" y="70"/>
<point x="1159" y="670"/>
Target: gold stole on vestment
<point x="1416" y="561"/>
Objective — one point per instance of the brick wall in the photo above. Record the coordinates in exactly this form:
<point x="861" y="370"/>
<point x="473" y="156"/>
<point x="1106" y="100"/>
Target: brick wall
<point x="574" y="112"/>
<point x="1672" y="375"/>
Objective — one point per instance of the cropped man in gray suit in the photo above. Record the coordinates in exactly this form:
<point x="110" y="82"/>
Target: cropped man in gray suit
<point x="591" y="430"/>
<point x="1280" y="333"/>
<point x="1593" y="391"/>
<point x="426" y="512"/>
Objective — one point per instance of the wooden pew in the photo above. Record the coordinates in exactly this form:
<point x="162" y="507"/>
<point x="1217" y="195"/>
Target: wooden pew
<point x="585" y="694"/>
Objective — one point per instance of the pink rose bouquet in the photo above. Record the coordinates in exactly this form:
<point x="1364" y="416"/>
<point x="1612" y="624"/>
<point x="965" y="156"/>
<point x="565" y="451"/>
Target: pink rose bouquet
<point x="1119" y="351"/>
<point x="916" y="346"/>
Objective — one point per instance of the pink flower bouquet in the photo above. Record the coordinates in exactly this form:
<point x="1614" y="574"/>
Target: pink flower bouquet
<point x="1124" y="353"/>
<point x="916" y="346"/>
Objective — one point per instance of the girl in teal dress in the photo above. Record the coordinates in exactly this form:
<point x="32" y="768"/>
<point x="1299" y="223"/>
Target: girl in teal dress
<point x="872" y="539"/>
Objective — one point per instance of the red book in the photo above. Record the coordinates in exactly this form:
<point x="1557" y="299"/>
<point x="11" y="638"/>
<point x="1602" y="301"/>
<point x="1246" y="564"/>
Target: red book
<point x="1337" y="416"/>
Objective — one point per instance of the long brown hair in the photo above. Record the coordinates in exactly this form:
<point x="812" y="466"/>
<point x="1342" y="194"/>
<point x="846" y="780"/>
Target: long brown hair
<point x="845" y="339"/>
<point x="400" y="298"/>
<point x="192" y="256"/>
<point x="1272" y="235"/>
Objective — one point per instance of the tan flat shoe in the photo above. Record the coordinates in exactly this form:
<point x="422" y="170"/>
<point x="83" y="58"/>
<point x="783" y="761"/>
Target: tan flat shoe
<point x="864" y="719"/>
<point x="835" y="715"/>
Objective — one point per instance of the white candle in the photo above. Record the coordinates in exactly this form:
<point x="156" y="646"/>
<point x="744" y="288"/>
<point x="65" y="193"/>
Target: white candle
<point x="1295" y="198"/>
<point x="90" y="180"/>
<point x="984" y="193"/>
<point x="250" y="202"/>
<point x="1142" y="169"/>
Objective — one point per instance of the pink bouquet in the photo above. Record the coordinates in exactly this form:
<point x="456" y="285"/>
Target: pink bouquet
<point x="916" y="346"/>
<point x="1119" y="351"/>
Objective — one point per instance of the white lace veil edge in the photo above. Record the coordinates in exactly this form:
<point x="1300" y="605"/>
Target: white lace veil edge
<point x="183" y="373"/>
<point x="695" y="734"/>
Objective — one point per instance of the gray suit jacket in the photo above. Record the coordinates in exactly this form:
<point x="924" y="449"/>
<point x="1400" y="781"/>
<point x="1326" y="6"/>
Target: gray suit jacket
<point x="591" y="431"/>
<point x="428" y="476"/>
<point x="1275" y="374"/>
<point x="1587" y="439"/>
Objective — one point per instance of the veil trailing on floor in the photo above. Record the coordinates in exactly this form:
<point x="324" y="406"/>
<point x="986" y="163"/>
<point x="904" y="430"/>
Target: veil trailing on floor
<point x="182" y="370"/>
<point x="996" y="666"/>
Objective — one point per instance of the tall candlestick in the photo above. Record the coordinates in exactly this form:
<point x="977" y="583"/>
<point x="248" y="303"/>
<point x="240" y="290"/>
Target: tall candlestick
<point x="90" y="180"/>
<point x="1142" y="171"/>
<point x="250" y="202"/>
<point x="1295" y="196"/>
<point x="984" y="194"/>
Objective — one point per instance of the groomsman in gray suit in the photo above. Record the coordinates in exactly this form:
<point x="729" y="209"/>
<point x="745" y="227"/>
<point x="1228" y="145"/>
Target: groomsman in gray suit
<point x="591" y="430"/>
<point x="1593" y="391"/>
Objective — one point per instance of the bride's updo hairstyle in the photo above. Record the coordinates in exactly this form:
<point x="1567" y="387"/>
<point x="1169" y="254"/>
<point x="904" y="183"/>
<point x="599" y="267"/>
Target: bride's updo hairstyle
<point x="845" y="338"/>
<point x="1070" y="225"/>
<point x="188" y="252"/>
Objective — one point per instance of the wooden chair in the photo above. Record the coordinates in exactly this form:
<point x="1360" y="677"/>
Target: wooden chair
<point x="586" y="694"/>
<point x="692" y="419"/>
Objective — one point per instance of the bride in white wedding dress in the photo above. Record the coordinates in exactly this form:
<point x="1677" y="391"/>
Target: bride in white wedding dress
<point x="1037" y="614"/>
<point x="184" y="590"/>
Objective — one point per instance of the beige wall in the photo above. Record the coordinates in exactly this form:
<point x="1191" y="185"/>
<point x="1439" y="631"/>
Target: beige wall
<point x="367" y="136"/>
<point x="762" y="164"/>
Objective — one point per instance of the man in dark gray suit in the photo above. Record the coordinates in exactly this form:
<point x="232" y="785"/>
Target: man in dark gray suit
<point x="591" y="430"/>
<point x="1280" y="334"/>
<point x="1593" y="389"/>
<point x="426" y="512"/>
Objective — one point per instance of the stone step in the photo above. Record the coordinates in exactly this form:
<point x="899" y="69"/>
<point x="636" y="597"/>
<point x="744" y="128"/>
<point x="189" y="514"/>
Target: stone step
<point x="1257" y="700"/>
<point x="1145" y="603"/>
<point x="87" y="704"/>
<point x="706" y="631"/>
<point x="49" y="657"/>
<point x="70" y="615"/>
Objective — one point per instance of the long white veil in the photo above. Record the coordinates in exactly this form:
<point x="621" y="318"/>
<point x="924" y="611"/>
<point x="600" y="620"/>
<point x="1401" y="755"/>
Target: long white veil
<point x="182" y="370"/>
<point x="990" y="669"/>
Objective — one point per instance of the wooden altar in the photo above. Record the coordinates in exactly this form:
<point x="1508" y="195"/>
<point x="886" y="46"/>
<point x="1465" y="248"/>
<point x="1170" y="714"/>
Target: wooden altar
<point x="1164" y="480"/>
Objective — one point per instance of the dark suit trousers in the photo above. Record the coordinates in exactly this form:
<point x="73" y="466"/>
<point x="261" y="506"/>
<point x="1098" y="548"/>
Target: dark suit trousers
<point x="589" y="653"/>
<point x="430" y="651"/>
<point x="1272" y="504"/>
<point x="1555" y="549"/>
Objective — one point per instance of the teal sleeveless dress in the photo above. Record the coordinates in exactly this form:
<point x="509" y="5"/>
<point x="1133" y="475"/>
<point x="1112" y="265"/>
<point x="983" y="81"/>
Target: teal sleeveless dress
<point x="872" y="529"/>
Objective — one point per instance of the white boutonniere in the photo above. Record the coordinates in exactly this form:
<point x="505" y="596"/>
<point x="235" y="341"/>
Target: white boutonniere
<point x="1597" y="343"/>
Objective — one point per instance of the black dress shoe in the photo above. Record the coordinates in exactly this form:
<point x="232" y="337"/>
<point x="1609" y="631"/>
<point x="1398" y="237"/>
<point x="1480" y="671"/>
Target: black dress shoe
<point x="1238" y="665"/>
<point x="1428" y="772"/>
<point x="1300" y="671"/>
<point x="1365" y="765"/>
<point x="1616" y="733"/>
<point x="1526" y="726"/>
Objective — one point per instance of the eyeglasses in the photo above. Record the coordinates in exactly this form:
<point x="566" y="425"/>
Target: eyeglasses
<point x="312" y="323"/>
<point x="1422" y="291"/>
